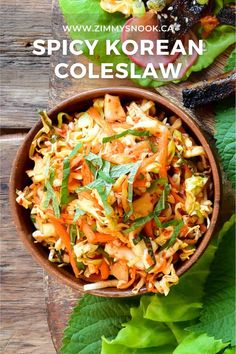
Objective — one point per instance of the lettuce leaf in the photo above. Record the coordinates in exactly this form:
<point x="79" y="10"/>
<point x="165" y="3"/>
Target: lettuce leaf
<point x="199" y="343"/>
<point x="88" y="13"/>
<point x="146" y="333"/>
<point x="218" y="314"/>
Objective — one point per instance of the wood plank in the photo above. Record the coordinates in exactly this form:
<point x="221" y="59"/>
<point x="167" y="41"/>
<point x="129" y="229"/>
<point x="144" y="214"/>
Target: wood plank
<point x="23" y="315"/>
<point x="24" y="76"/>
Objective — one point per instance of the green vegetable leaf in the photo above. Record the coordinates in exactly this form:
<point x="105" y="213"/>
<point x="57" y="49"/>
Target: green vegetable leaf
<point x="65" y="180"/>
<point x="73" y="234"/>
<point x="142" y="333"/>
<point x="131" y="178"/>
<point x="78" y="213"/>
<point x="124" y="133"/>
<point x="91" y="318"/>
<point x="66" y="174"/>
<point x="199" y="343"/>
<point x="139" y="222"/>
<point x="175" y="233"/>
<point x="53" y="196"/>
<point x="218" y="314"/>
<point x="161" y="205"/>
<point x="231" y="62"/>
<point x="225" y="139"/>
<point x="94" y="162"/>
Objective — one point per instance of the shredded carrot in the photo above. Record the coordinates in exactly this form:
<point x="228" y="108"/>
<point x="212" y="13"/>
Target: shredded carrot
<point x="87" y="176"/>
<point x="95" y="237"/>
<point x="184" y="230"/>
<point x="177" y="197"/>
<point x="100" y="121"/>
<point x="141" y="183"/>
<point x="148" y="228"/>
<point x="88" y="232"/>
<point x="102" y="238"/>
<point x="61" y="231"/>
<point x="104" y="269"/>
<point x="150" y="260"/>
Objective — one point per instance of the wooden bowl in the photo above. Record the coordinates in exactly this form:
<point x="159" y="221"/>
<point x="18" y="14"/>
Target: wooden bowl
<point x="19" y="180"/>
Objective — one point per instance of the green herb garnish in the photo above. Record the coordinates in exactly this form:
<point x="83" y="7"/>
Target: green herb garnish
<point x="66" y="174"/>
<point x="124" y="133"/>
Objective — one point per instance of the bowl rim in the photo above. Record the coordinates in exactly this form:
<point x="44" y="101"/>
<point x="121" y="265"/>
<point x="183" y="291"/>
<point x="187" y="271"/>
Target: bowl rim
<point x="64" y="276"/>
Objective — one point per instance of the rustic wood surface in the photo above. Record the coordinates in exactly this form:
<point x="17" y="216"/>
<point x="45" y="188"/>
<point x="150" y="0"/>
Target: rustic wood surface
<point x="25" y="89"/>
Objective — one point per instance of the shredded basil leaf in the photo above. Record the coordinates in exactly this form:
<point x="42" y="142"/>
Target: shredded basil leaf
<point x="121" y="170"/>
<point x="139" y="222"/>
<point x="102" y="192"/>
<point x="66" y="174"/>
<point x="78" y="213"/>
<point x="105" y="177"/>
<point x="137" y="239"/>
<point x="156" y="183"/>
<point x="73" y="234"/>
<point x="124" y="133"/>
<point x="161" y="205"/>
<point x="53" y="196"/>
<point x="177" y="228"/>
<point x="148" y="244"/>
<point x="131" y="178"/>
<point x="80" y="265"/>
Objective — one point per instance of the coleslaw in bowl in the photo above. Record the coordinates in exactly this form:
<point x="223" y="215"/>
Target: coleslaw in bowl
<point x="121" y="192"/>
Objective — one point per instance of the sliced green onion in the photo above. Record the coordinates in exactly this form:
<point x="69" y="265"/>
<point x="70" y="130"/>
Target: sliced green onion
<point x="66" y="174"/>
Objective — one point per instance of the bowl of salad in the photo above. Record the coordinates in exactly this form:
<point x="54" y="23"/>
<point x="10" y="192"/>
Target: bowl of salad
<point x="115" y="192"/>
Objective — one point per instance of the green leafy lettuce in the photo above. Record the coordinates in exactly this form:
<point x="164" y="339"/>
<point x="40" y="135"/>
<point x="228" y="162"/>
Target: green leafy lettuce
<point x="88" y="13"/>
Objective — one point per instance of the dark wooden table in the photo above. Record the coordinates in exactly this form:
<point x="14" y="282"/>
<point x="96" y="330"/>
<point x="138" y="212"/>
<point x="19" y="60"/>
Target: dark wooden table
<point x="25" y="81"/>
